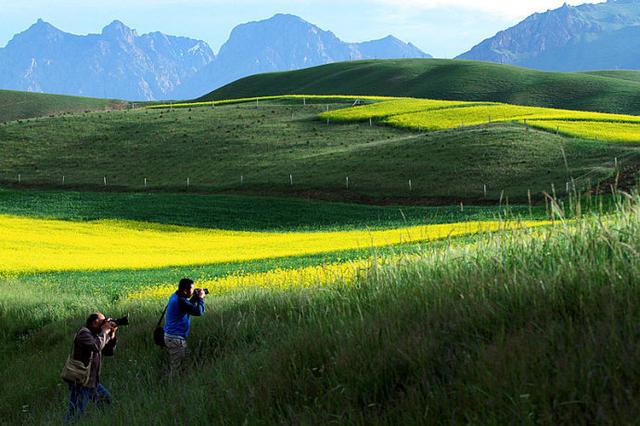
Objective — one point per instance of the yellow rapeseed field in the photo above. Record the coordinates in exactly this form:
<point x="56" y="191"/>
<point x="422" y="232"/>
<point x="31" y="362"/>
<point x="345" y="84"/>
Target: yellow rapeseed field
<point x="344" y="273"/>
<point x="394" y="107"/>
<point x="427" y="115"/>
<point x="275" y="279"/>
<point x="41" y="245"/>
<point x="606" y="131"/>
<point x="463" y="115"/>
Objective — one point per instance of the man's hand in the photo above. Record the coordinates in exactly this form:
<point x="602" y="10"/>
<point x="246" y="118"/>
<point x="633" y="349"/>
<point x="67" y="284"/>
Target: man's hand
<point x="200" y="293"/>
<point x="107" y="327"/>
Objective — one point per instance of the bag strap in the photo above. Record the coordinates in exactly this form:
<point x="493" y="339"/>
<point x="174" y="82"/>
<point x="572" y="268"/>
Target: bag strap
<point x="162" y="316"/>
<point x="73" y="343"/>
<point x="73" y="348"/>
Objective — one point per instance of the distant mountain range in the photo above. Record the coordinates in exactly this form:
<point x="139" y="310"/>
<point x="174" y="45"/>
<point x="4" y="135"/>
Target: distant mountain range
<point x="582" y="38"/>
<point x="119" y="63"/>
<point x="284" y="43"/>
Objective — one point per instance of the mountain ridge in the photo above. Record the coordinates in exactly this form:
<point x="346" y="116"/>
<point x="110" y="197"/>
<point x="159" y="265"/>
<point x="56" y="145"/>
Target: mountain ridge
<point x="120" y="63"/>
<point x="257" y="47"/>
<point x="117" y="63"/>
<point x="570" y="38"/>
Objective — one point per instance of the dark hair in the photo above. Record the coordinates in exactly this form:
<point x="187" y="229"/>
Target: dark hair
<point x="91" y="319"/>
<point x="185" y="284"/>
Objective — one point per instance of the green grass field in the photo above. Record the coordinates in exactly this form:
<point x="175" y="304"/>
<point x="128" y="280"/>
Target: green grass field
<point x="244" y="213"/>
<point x="622" y="75"/>
<point x="282" y="148"/>
<point x="494" y="325"/>
<point x="21" y="105"/>
<point x="449" y="79"/>
<point x="529" y="326"/>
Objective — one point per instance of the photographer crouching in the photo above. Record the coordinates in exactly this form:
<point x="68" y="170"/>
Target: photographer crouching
<point x="186" y="301"/>
<point x="82" y="369"/>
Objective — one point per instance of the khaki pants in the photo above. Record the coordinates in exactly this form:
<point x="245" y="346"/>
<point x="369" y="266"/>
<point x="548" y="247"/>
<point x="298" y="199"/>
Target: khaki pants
<point x="177" y="351"/>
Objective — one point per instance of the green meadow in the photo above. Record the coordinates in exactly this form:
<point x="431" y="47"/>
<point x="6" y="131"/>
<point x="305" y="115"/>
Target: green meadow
<point x="519" y="325"/>
<point x="535" y="325"/>
<point x="282" y="149"/>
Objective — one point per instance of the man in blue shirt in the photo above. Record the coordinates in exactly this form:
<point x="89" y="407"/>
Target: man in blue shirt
<point x="182" y="304"/>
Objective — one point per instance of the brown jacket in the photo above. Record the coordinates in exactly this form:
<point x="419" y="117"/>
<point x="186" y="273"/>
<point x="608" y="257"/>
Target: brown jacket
<point x="86" y="343"/>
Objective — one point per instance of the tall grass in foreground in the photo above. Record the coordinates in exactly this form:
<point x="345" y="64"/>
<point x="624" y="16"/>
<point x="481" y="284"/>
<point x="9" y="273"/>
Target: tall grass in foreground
<point x="533" y="326"/>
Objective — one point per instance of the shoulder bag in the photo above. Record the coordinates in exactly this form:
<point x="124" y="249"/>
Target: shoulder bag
<point x="74" y="371"/>
<point x="158" y="333"/>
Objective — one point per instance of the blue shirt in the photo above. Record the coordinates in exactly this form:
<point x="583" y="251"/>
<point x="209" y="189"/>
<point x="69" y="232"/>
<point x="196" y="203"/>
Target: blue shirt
<point x="179" y="310"/>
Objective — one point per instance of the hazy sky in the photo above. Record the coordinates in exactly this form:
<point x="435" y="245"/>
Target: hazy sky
<point x="444" y="28"/>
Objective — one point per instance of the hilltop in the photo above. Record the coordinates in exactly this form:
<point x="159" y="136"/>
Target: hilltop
<point x="621" y="74"/>
<point x="446" y="79"/>
<point x="20" y="105"/>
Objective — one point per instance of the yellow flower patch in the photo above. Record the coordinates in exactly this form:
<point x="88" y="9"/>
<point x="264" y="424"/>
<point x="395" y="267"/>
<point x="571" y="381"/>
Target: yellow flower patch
<point x="41" y="245"/>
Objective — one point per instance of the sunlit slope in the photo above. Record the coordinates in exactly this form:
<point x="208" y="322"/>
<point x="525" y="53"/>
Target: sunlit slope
<point x="446" y="79"/>
<point x="39" y="245"/>
<point x="282" y="147"/>
<point x="16" y="105"/>
<point x="433" y="115"/>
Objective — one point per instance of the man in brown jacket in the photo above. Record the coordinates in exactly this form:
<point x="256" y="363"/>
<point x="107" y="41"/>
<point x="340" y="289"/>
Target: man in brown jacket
<point x="96" y="337"/>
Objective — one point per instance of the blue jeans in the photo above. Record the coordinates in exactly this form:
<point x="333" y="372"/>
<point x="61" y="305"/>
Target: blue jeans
<point x="80" y="396"/>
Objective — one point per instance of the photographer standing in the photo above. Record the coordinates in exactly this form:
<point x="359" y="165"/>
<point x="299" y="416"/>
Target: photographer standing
<point x="97" y="336"/>
<point x="182" y="304"/>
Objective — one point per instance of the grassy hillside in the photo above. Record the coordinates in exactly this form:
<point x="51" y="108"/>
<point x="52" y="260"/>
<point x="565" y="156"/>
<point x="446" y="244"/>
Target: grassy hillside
<point x="433" y="115"/>
<point x="534" y="326"/>
<point x="629" y="75"/>
<point x="19" y="105"/>
<point x="283" y="148"/>
<point x="245" y="213"/>
<point x="446" y="79"/>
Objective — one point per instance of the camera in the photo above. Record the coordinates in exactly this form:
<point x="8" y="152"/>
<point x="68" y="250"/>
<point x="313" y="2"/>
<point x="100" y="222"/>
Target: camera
<point x="120" y="321"/>
<point x="206" y="290"/>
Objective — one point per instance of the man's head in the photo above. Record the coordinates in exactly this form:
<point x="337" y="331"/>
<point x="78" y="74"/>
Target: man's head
<point x="185" y="287"/>
<point x="95" y="321"/>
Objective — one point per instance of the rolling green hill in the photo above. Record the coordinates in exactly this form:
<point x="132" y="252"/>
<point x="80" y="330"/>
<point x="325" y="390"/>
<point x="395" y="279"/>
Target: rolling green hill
<point x="446" y="79"/>
<point x="628" y="75"/>
<point x="283" y="148"/>
<point x="20" y="105"/>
